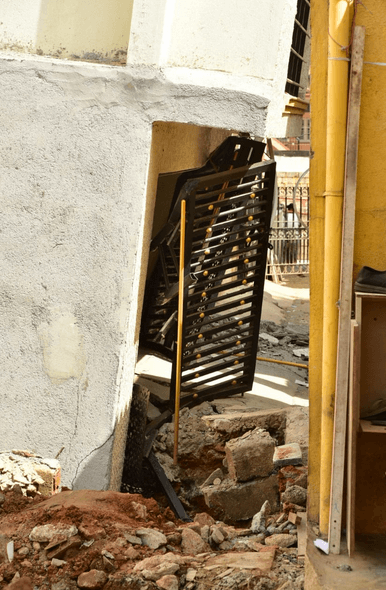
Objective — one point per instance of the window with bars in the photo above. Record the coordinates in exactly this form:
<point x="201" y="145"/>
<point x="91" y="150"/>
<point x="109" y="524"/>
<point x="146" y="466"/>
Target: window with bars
<point x="299" y="38"/>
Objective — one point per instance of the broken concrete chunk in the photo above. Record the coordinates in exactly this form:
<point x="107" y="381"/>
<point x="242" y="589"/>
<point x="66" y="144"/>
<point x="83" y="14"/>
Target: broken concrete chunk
<point x="258" y="521"/>
<point x="295" y="495"/>
<point x="302" y="352"/>
<point x="250" y="457"/>
<point x="297" y="427"/>
<point x="192" y="543"/>
<point x="268" y="338"/>
<point x="58" y="562"/>
<point x="216" y="475"/>
<point x="94" y="579"/>
<point x="168" y="582"/>
<point x="151" y="538"/>
<point x="281" y="540"/>
<point x="241" y="501"/>
<point x="202" y="518"/>
<point x="134" y="540"/>
<point x="244" y="560"/>
<point x="216" y="535"/>
<point x="46" y="532"/>
<point x="6" y="549"/>
<point x="289" y="454"/>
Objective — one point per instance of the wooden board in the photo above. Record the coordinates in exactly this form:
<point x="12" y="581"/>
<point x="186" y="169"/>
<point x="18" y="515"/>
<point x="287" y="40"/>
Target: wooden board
<point x="366" y="426"/>
<point x="302" y="538"/>
<point x="353" y="422"/>
<point x="342" y="371"/>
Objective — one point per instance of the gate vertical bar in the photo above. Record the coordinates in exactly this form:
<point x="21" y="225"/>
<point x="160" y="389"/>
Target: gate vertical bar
<point x="179" y="330"/>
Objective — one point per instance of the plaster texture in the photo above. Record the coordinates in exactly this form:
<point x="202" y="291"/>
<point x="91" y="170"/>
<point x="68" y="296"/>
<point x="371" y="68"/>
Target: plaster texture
<point x="98" y="32"/>
<point x="75" y="154"/>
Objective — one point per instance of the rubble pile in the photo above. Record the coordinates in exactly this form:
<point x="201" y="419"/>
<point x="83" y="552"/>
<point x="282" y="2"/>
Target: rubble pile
<point x="292" y="340"/>
<point x="109" y="540"/>
<point x="231" y="463"/>
<point x="28" y="473"/>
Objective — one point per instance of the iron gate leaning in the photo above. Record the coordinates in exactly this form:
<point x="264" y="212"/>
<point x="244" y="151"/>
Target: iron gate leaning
<point x="228" y="219"/>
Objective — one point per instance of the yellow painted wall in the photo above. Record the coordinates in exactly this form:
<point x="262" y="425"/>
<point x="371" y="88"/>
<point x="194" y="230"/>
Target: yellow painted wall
<point x="75" y="29"/>
<point x="175" y="146"/>
<point x="370" y="229"/>
<point x="319" y="25"/>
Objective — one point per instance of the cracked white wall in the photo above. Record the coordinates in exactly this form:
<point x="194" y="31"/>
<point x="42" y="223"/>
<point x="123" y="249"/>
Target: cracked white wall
<point x="75" y="150"/>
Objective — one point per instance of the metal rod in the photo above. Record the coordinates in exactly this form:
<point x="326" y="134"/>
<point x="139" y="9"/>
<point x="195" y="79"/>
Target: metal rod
<point x="261" y="358"/>
<point x="179" y="331"/>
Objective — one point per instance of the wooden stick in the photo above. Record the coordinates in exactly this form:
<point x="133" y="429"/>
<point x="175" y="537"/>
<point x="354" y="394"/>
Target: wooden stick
<point x="342" y="370"/>
<point x="179" y="330"/>
<point x="353" y="425"/>
<point x="261" y="358"/>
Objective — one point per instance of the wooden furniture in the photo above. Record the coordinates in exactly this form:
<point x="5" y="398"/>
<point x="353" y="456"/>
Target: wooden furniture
<point x="366" y="457"/>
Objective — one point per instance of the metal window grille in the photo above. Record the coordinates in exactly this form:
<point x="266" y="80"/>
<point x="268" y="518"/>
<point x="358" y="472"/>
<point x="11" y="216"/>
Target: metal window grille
<point x="296" y="59"/>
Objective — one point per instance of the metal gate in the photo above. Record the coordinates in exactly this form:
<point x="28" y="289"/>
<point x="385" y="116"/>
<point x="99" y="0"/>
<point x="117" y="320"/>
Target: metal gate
<point x="227" y="227"/>
<point x="289" y="236"/>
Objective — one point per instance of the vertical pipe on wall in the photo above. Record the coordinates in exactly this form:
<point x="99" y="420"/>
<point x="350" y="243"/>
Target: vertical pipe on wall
<point x="337" y="85"/>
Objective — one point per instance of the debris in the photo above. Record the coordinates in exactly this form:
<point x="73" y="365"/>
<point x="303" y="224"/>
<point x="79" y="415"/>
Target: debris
<point x="345" y="567"/>
<point x="94" y="579"/>
<point x="169" y="582"/>
<point x="301" y="353"/>
<point x="217" y="474"/>
<point x="295" y="495"/>
<point x="281" y="540"/>
<point x="251" y="455"/>
<point x="289" y="454"/>
<point x="6" y="549"/>
<point x="268" y="338"/>
<point x="151" y="538"/>
<point x="241" y="501"/>
<point x="192" y="543"/>
<point x="29" y="473"/>
<point x="258" y="521"/>
<point x="322" y="545"/>
<point x="244" y="560"/>
<point x="294" y="518"/>
<point x="46" y="532"/>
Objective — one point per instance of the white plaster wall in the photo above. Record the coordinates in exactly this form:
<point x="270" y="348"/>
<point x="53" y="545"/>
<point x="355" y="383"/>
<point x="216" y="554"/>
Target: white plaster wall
<point x="221" y="43"/>
<point x="74" y="154"/>
<point x="292" y="163"/>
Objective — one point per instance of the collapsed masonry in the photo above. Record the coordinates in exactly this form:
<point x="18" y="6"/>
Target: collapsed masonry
<point x="232" y="462"/>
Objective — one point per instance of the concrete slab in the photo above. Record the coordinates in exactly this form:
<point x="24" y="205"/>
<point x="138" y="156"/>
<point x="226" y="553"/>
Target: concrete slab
<point x="245" y="560"/>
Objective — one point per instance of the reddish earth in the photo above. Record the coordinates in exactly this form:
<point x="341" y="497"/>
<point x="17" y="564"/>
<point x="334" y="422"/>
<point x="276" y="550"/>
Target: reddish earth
<point x="103" y="516"/>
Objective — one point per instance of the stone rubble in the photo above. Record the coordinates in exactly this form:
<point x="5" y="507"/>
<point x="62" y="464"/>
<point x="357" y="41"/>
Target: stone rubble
<point x="201" y="555"/>
<point x="29" y="473"/>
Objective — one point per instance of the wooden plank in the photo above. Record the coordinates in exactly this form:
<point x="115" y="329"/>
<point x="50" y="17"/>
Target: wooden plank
<point x="353" y="424"/>
<point x="342" y="371"/>
<point x="302" y="538"/>
<point x="366" y="426"/>
<point x="295" y="518"/>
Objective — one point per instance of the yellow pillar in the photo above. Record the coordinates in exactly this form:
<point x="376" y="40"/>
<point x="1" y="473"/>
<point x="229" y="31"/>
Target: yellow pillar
<point x="319" y="46"/>
<point x="337" y="82"/>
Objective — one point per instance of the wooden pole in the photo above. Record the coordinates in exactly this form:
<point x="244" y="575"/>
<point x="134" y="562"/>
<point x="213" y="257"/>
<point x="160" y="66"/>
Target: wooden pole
<point x="179" y="330"/>
<point x="345" y="302"/>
